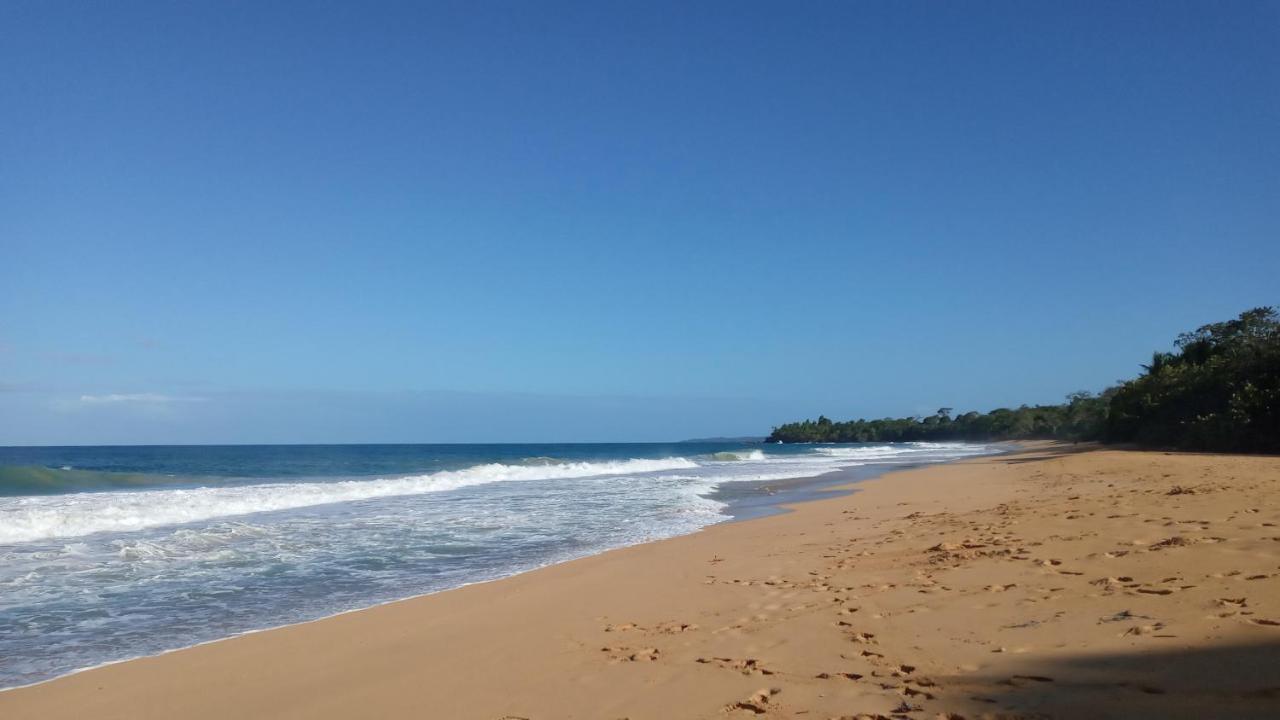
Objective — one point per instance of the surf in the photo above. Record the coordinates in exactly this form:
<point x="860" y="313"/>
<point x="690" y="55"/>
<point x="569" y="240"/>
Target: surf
<point x="29" y="519"/>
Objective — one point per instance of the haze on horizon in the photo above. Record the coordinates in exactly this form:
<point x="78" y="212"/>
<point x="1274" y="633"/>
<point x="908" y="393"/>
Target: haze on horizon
<point x="488" y="222"/>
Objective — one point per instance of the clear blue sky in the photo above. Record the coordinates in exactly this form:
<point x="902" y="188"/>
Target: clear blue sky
<point x="475" y="221"/>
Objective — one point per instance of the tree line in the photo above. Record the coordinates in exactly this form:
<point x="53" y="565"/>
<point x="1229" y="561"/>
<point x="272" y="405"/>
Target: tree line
<point x="1218" y="390"/>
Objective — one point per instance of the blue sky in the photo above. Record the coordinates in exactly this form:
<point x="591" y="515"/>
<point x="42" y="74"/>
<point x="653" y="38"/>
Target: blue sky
<point x="436" y="222"/>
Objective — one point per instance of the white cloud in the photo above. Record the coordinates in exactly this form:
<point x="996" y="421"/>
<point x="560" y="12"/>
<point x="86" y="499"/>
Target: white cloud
<point x="137" y="398"/>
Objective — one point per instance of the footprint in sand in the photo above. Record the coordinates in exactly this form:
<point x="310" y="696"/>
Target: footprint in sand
<point x="862" y="637"/>
<point x="1110" y="584"/>
<point x="758" y="703"/>
<point x="747" y="666"/>
<point x="845" y="675"/>
<point x="1182" y="541"/>
<point x="909" y="691"/>
<point x="625" y="654"/>
<point x="1122" y="616"/>
<point x="1151" y="629"/>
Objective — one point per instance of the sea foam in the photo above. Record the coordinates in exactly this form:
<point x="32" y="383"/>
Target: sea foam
<point x="738" y="455"/>
<point x="26" y="519"/>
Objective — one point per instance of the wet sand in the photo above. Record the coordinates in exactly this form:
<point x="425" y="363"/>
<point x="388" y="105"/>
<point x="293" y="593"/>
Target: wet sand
<point x="1058" y="581"/>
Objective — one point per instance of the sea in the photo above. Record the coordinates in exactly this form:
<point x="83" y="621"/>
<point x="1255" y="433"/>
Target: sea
<point x="111" y="553"/>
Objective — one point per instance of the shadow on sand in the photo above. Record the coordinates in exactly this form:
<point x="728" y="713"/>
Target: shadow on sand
<point x="1229" y="681"/>
<point x="1052" y="450"/>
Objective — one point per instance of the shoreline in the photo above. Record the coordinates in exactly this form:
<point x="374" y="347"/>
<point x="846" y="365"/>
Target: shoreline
<point x="707" y="617"/>
<point x="833" y="484"/>
<point x="743" y="508"/>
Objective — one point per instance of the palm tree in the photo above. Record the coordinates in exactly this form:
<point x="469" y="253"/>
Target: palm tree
<point x="1159" y="361"/>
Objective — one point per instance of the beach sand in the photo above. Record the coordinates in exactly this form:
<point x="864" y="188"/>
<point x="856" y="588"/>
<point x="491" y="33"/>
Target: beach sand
<point x="1054" y="582"/>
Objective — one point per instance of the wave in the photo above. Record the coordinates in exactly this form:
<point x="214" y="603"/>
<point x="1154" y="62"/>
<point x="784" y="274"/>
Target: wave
<point x="878" y="451"/>
<point x="887" y="452"/>
<point x="542" y="461"/>
<point x="31" y="480"/>
<point x="28" y="519"/>
<point x="738" y="455"/>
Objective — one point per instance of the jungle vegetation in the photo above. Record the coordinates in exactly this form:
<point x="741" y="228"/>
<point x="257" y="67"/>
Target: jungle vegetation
<point x="1219" y="389"/>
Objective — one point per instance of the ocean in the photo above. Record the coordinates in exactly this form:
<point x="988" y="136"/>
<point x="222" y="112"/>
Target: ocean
<point x="109" y="553"/>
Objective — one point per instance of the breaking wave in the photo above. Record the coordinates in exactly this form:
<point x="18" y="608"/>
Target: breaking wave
<point x="738" y="455"/>
<point x="27" y="519"/>
<point x="904" y="450"/>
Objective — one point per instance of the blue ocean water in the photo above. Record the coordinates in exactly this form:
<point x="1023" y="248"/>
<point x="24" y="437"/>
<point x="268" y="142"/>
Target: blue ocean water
<point x="108" y="553"/>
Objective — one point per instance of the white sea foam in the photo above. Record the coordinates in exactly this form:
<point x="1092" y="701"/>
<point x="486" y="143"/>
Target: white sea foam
<point x="27" y="519"/>
<point x="890" y="452"/>
<point x="738" y="455"/>
<point x="878" y="451"/>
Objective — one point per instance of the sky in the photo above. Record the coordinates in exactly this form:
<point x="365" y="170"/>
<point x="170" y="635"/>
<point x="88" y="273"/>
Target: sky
<point x="269" y="222"/>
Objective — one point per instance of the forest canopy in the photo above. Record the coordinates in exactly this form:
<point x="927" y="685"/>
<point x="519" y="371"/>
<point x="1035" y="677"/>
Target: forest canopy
<point x="1219" y="389"/>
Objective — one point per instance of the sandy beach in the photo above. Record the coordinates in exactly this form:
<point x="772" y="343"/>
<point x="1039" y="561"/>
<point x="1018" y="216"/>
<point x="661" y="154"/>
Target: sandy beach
<point x="1057" y="581"/>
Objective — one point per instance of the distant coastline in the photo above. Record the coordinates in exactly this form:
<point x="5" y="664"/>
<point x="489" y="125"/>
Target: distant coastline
<point x="1219" y="391"/>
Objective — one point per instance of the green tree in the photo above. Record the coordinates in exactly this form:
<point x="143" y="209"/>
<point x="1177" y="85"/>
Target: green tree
<point x="1218" y="390"/>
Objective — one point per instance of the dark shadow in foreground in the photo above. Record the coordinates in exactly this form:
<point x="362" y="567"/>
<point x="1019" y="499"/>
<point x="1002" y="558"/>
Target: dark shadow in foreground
<point x="1227" y="681"/>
